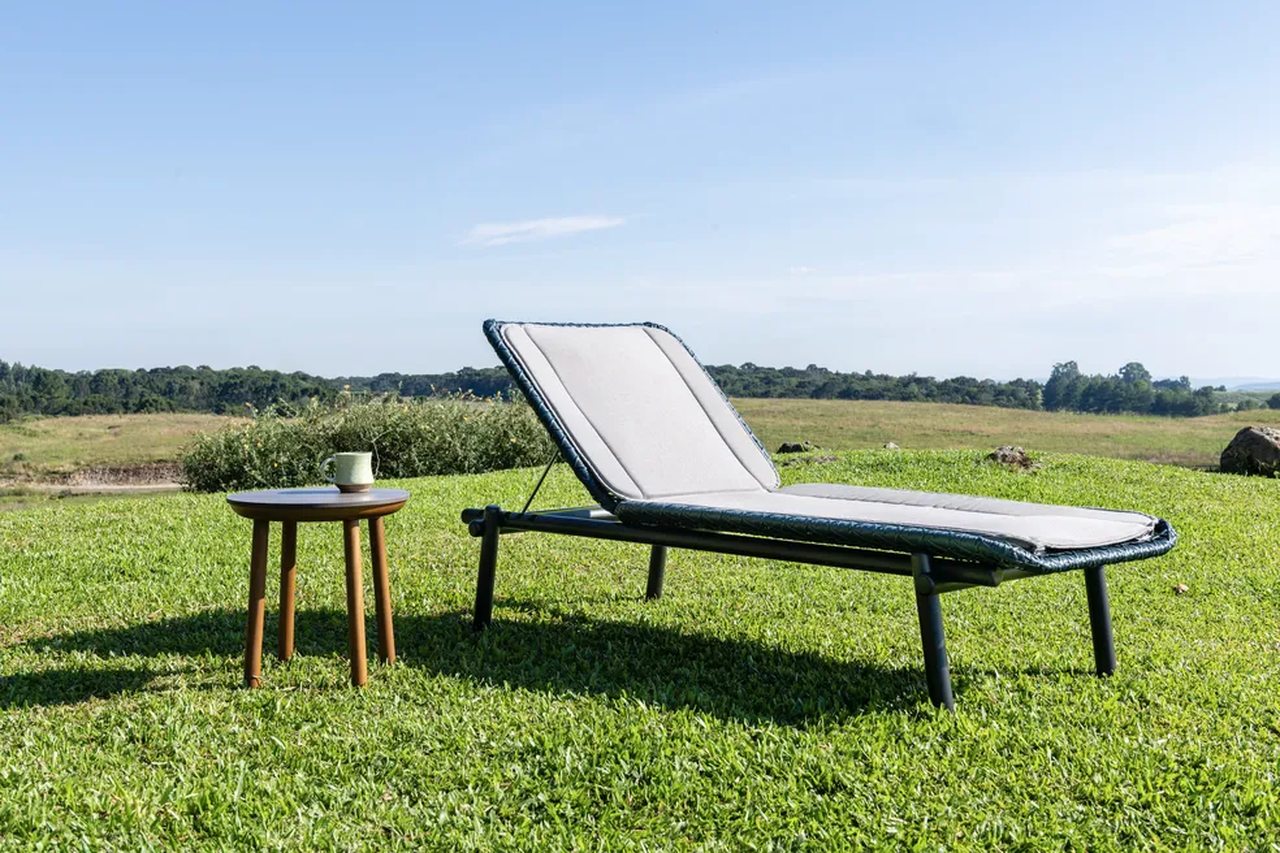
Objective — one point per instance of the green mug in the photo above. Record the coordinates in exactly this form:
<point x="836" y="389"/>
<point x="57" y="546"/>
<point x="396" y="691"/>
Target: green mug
<point x="352" y="472"/>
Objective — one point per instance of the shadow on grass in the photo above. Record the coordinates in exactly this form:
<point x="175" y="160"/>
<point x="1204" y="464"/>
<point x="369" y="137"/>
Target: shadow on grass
<point x="543" y="650"/>
<point x="68" y="686"/>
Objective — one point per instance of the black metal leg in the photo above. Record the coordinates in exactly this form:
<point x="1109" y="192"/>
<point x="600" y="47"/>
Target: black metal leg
<point x="657" y="570"/>
<point x="937" y="669"/>
<point x="488" y="565"/>
<point x="1104" y="647"/>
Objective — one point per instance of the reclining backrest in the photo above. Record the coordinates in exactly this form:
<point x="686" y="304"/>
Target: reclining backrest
<point x="632" y="410"/>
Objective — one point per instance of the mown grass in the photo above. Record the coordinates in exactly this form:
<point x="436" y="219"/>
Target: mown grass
<point x="860" y="424"/>
<point x="23" y="497"/>
<point x="757" y="704"/>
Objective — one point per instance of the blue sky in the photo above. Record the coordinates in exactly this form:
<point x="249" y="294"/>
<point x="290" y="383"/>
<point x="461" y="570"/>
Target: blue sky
<point x="944" y="188"/>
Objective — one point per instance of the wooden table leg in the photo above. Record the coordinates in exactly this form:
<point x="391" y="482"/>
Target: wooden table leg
<point x="288" y="583"/>
<point x="355" y="603"/>
<point x="257" y="604"/>
<point x="382" y="591"/>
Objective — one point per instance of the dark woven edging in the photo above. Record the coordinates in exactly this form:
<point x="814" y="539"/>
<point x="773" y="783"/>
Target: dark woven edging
<point x="595" y="486"/>
<point x="892" y="537"/>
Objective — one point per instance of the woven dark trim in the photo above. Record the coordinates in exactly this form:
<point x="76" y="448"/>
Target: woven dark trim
<point x="569" y="450"/>
<point x="577" y="461"/>
<point x="934" y="541"/>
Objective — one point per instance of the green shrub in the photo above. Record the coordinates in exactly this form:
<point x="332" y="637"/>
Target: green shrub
<point x="408" y="438"/>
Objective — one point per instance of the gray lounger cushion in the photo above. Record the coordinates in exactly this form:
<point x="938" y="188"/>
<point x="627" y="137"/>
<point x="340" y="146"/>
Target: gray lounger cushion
<point x="646" y="417"/>
<point x="656" y="442"/>
<point x="1036" y="527"/>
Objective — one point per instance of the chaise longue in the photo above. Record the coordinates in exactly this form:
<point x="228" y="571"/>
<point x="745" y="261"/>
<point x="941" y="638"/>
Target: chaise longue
<point x="672" y="465"/>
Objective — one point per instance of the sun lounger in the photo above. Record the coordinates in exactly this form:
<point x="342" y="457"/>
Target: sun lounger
<point x="672" y="465"/>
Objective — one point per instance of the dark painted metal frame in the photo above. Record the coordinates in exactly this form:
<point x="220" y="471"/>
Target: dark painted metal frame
<point x="931" y="576"/>
<point x="937" y="560"/>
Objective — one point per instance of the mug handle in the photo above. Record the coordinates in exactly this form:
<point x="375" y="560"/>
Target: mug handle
<point x="324" y="470"/>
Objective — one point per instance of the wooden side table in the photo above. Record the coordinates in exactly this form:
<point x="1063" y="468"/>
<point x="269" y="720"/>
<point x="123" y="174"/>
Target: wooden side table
<point x="290" y="506"/>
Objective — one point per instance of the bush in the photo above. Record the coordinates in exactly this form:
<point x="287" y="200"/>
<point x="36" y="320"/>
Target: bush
<point x="1273" y="401"/>
<point x="408" y="438"/>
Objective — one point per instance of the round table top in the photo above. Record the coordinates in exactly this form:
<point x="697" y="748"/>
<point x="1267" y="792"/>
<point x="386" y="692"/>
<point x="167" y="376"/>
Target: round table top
<point x="323" y="503"/>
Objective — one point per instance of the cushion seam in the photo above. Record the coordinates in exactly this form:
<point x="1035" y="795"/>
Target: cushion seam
<point x="706" y="414"/>
<point x="896" y="503"/>
<point x="783" y="490"/>
<point x="1031" y="543"/>
<point x="590" y="423"/>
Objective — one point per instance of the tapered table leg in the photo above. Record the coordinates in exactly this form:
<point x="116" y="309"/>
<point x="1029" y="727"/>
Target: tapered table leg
<point x="355" y="603"/>
<point x="257" y="604"/>
<point x="288" y="582"/>
<point x="382" y="591"/>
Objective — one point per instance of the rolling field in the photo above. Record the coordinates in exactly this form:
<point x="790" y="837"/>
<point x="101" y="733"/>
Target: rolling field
<point x="37" y="456"/>
<point x="757" y="705"/>
<point x="42" y="446"/>
<point x="858" y="424"/>
<point x="48" y="446"/>
<point x="63" y="458"/>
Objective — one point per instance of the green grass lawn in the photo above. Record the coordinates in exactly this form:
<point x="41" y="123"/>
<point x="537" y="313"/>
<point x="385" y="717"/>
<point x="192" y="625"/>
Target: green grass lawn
<point x="861" y="424"/>
<point x="757" y="704"/>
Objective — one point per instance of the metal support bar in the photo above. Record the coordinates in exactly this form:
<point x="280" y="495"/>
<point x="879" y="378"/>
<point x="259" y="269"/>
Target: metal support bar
<point x="541" y="480"/>
<point x="470" y="516"/>
<point x="592" y="522"/>
<point x="1104" y="647"/>
<point x="657" y="570"/>
<point x="488" y="566"/>
<point x="697" y="540"/>
<point x="937" y="669"/>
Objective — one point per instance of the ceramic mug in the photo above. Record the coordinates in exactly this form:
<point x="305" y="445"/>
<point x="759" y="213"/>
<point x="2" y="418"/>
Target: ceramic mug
<point x="352" y="472"/>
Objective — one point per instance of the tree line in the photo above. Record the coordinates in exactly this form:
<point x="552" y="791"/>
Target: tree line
<point x="37" y="390"/>
<point x="44" y="391"/>
<point x="752" y="380"/>
<point x="1130" y="390"/>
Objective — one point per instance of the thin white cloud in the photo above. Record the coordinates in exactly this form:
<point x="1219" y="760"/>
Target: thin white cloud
<point x="529" y="230"/>
<point x="1202" y="237"/>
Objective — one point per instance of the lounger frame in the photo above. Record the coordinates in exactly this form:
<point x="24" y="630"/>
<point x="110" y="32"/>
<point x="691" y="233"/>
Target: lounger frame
<point x="931" y="576"/>
<point x="937" y="560"/>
